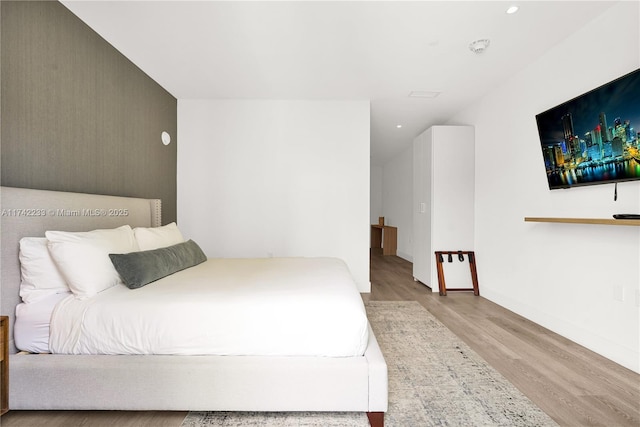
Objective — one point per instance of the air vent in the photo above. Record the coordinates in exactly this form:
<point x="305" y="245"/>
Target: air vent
<point x="424" y="94"/>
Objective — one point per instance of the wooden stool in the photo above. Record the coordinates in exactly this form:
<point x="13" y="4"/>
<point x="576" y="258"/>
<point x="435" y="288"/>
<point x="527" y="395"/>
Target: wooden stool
<point x="472" y="266"/>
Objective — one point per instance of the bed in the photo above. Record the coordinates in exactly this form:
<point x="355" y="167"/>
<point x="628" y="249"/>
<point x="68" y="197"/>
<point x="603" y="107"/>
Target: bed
<point x="230" y="382"/>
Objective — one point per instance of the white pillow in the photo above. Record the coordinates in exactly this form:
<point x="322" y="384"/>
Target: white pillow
<point x="83" y="257"/>
<point x="40" y="275"/>
<point x="158" y="237"/>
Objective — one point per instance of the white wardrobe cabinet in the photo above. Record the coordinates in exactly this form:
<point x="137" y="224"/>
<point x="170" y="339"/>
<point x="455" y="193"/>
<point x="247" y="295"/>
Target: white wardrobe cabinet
<point x="443" y="202"/>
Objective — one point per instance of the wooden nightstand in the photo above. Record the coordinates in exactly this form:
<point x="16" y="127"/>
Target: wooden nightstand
<point x="4" y="364"/>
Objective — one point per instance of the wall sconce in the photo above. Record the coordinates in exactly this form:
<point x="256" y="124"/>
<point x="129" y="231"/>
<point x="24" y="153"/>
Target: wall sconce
<point x="166" y="138"/>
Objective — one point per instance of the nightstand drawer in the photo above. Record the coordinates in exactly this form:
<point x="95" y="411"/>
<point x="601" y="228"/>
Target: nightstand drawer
<point x="4" y="364"/>
<point x="2" y="342"/>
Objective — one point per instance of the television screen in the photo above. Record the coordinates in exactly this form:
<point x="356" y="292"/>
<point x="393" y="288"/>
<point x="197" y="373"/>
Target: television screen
<point x="593" y="138"/>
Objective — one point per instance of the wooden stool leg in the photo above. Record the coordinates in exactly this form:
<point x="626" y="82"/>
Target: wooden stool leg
<point x="442" y="287"/>
<point x="474" y="273"/>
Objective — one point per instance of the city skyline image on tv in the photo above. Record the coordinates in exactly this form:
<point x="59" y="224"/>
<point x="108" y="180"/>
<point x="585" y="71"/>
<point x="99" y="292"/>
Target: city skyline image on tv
<point x="595" y="137"/>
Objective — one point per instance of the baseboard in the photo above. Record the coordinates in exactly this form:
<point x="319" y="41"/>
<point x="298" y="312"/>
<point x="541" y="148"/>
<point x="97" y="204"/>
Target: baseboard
<point x="623" y="356"/>
<point x="405" y="256"/>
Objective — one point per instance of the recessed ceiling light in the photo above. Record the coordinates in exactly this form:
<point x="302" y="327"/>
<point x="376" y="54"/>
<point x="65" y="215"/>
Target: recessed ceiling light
<point x="512" y="9"/>
<point x="424" y="94"/>
<point x="398" y="126"/>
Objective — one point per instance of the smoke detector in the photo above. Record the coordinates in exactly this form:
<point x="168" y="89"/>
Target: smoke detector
<point x="479" y="46"/>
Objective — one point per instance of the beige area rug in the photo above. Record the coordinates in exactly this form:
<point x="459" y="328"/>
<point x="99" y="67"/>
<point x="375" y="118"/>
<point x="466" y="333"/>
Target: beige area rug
<point x="435" y="379"/>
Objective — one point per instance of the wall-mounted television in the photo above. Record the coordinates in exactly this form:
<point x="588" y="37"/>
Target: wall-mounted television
<point x="595" y="137"/>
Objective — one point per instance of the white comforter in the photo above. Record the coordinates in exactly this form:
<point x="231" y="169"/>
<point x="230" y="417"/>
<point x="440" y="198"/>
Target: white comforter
<point x="271" y="306"/>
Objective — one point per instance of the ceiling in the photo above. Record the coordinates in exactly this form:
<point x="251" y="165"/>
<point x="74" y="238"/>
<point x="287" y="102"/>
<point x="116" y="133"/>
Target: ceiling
<point x="379" y="51"/>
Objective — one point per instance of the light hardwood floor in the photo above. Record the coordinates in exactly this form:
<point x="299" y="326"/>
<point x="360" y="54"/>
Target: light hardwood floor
<point x="575" y="386"/>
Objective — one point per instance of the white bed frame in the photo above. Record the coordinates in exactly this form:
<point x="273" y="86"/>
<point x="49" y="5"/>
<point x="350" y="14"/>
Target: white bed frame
<point x="155" y="382"/>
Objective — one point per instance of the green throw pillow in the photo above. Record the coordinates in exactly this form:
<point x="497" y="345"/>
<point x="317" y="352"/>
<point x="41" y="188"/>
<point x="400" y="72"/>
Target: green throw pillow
<point x="141" y="268"/>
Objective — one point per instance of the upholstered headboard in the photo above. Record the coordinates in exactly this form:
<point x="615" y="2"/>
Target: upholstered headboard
<point x="27" y="212"/>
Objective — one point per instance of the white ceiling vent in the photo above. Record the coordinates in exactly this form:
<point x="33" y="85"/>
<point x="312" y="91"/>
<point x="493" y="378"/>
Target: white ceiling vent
<point x="479" y="46"/>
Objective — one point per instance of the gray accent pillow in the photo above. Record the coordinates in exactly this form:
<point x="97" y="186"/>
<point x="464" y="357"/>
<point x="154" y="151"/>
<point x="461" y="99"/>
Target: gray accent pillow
<point x="141" y="268"/>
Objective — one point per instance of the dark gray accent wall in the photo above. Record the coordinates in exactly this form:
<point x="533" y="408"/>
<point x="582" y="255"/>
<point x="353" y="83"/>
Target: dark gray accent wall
<point x="76" y="115"/>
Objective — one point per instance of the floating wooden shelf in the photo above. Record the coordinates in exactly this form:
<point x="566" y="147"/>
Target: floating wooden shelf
<point x="599" y="221"/>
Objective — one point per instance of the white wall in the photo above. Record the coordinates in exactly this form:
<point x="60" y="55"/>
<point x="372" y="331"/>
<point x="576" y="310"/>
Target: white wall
<point x="397" y="199"/>
<point x="260" y="178"/>
<point x="446" y="186"/>
<point x="375" y="210"/>
<point x="561" y="276"/>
